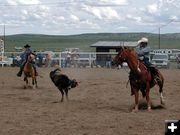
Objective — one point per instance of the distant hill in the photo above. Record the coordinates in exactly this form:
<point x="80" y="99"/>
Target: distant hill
<point x="83" y="41"/>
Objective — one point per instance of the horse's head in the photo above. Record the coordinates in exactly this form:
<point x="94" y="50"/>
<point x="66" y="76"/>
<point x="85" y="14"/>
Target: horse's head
<point x="31" y="58"/>
<point x="122" y="56"/>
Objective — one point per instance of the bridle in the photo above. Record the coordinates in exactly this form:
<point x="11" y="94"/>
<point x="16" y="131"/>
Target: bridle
<point x="124" y="59"/>
<point x="120" y="58"/>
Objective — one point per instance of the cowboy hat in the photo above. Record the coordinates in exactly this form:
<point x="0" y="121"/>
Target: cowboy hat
<point x="27" y="46"/>
<point x="143" y="40"/>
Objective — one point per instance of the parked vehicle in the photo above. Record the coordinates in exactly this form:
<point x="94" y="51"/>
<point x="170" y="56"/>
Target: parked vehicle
<point x="161" y="60"/>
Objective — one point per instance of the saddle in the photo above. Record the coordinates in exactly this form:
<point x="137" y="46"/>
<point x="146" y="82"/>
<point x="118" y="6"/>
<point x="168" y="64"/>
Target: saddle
<point x="152" y="69"/>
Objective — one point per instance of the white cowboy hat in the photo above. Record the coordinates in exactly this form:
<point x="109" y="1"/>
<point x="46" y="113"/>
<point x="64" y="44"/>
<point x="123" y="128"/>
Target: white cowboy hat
<point x="143" y="40"/>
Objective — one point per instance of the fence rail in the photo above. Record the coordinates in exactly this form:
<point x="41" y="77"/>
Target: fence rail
<point x="63" y="59"/>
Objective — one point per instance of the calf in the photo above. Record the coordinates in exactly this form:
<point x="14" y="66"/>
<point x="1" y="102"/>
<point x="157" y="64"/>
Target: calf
<point x="62" y="82"/>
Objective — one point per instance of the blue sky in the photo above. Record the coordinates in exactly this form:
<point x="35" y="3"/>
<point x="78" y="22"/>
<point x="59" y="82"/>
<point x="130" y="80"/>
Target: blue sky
<point x="67" y="17"/>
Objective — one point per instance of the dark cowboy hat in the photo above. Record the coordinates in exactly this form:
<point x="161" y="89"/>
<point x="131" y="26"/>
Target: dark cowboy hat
<point x="27" y="46"/>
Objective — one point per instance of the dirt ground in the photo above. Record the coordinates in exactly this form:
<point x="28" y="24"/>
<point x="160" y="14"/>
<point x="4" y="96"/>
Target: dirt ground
<point x="100" y="105"/>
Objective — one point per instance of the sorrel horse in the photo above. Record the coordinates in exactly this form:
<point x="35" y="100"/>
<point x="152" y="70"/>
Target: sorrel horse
<point x="29" y="71"/>
<point x="140" y="77"/>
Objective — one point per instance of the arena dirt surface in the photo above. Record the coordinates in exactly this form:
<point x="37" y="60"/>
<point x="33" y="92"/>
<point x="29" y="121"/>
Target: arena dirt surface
<point x="100" y="105"/>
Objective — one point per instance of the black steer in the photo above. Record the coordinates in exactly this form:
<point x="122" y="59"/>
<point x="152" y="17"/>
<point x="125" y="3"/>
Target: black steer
<point x="62" y="82"/>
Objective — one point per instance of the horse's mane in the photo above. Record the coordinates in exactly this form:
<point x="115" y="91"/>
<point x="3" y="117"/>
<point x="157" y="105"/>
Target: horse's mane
<point x="134" y="54"/>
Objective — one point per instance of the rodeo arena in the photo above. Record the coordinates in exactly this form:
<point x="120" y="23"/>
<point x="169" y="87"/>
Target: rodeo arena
<point x="105" y="95"/>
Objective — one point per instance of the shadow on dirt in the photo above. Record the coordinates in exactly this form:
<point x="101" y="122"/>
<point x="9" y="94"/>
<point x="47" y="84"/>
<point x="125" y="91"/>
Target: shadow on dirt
<point x="143" y="106"/>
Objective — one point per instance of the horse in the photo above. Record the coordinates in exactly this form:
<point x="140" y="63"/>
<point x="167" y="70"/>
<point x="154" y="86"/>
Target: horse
<point x="29" y="71"/>
<point x="140" y="76"/>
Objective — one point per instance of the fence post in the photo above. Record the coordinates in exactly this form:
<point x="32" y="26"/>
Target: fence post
<point x="60" y="59"/>
<point x="2" y="51"/>
<point x="90" y="59"/>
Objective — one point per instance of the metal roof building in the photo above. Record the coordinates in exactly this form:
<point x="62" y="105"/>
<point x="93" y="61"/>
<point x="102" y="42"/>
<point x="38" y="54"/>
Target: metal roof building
<point x="113" y="44"/>
<point x="109" y="46"/>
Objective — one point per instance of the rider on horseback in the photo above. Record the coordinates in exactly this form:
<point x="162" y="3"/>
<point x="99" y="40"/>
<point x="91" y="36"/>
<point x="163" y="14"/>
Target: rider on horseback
<point x="143" y="52"/>
<point x="24" y="58"/>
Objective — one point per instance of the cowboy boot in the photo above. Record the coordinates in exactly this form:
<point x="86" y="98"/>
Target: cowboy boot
<point x="21" y="70"/>
<point x="19" y="73"/>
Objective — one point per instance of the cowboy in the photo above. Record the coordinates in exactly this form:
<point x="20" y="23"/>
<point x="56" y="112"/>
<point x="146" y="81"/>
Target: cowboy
<point x="143" y="51"/>
<point x="24" y="57"/>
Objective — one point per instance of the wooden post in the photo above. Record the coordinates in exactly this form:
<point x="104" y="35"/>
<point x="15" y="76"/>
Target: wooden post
<point x="60" y="60"/>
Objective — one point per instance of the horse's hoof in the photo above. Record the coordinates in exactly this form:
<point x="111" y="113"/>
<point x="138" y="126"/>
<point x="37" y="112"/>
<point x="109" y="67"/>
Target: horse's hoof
<point x="162" y="102"/>
<point x="149" y="109"/>
<point x="24" y="87"/>
<point x="135" y="110"/>
<point x="62" y="101"/>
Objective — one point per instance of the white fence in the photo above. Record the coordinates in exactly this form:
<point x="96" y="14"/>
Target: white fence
<point x="63" y="59"/>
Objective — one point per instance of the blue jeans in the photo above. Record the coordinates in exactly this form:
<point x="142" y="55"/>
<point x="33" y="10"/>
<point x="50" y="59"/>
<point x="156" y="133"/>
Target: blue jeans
<point x="108" y="64"/>
<point x="146" y="62"/>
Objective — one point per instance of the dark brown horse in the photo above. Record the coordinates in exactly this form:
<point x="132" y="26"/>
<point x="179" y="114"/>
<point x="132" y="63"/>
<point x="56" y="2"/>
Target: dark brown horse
<point x="140" y="77"/>
<point x="29" y="71"/>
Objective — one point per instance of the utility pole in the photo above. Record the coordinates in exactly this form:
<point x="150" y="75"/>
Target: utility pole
<point x="159" y="43"/>
<point x="4" y="35"/>
<point x="159" y="35"/>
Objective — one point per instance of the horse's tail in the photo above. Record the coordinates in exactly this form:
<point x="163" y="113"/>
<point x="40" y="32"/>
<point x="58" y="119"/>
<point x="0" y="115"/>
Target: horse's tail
<point x="157" y="78"/>
<point x="160" y="82"/>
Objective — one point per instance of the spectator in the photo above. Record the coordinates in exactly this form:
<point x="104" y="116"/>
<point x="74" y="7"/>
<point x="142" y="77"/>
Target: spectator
<point x="74" y="57"/>
<point x="68" y="59"/>
<point x="108" y="61"/>
<point x="178" y="61"/>
<point x="13" y="59"/>
<point x="40" y="59"/>
<point x="48" y="59"/>
<point x="18" y="60"/>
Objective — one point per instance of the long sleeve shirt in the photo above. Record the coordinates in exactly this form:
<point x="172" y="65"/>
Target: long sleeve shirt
<point x="143" y="51"/>
<point x="26" y="53"/>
